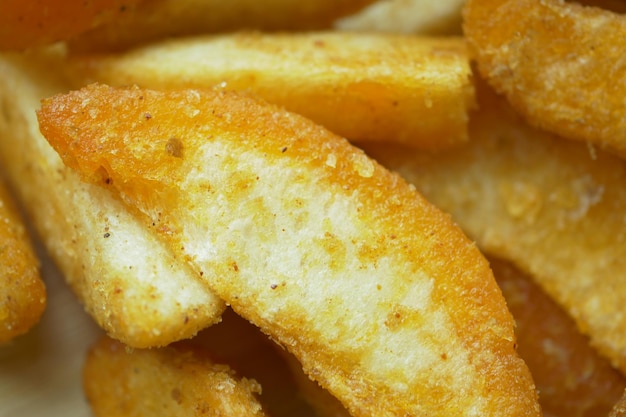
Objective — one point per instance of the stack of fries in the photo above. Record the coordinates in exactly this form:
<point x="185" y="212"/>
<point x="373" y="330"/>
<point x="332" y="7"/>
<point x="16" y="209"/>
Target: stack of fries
<point x="312" y="208"/>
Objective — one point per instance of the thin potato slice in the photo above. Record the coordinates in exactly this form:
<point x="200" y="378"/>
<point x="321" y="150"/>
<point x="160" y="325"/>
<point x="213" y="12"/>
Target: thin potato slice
<point x="155" y="20"/>
<point x="132" y="285"/>
<point x="177" y="380"/>
<point x="573" y="380"/>
<point x="22" y="291"/>
<point x="368" y="87"/>
<point x="555" y="208"/>
<point x="378" y="294"/>
<point x="32" y="23"/>
<point x="560" y="64"/>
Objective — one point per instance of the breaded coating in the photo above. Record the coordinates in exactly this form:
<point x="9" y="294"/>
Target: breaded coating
<point x="22" y="291"/>
<point x="380" y="296"/>
<point x="127" y="279"/>
<point x="573" y="380"/>
<point x="559" y="63"/>
<point x="554" y="208"/>
<point x="360" y="86"/>
<point x="174" y="381"/>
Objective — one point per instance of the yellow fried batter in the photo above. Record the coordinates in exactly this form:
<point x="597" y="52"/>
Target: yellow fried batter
<point x="22" y="291"/>
<point x="560" y="64"/>
<point x="129" y="281"/>
<point x="553" y="207"/>
<point x="379" y="295"/>
<point x="174" y="381"/>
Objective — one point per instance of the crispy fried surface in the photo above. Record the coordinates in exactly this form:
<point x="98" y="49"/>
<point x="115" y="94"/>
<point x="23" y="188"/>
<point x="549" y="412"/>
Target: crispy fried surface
<point x="552" y="207"/>
<point x="361" y="86"/>
<point x="132" y="285"/>
<point x="619" y="410"/>
<point x="573" y="380"/>
<point x="158" y="19"/>
<point x="26" y="24"/>
<point x="22" y="291"/>
<point x="172" y="381"/>
<point x="560" y="64"/>
<point x="379" y="295"/>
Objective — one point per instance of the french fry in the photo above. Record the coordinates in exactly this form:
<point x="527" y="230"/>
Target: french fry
<point x="552" y="207"/>
<point x="377" y="293"/>
<point x="177" y="380"/>
<point x="425" y="17"/>
<point x="22" y="291"/>
<point x="159" y="19"/>
<point x="571" y="377"/>
<point x="131" y="284"/>
<point x="403" y="89"/>
<point x="32" y="23"/>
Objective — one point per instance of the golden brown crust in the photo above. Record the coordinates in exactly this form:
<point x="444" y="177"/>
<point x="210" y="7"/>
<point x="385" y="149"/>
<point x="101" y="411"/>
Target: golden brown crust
<point x="560" y="64"/>
<point x="552" y="207"/>
<point x="129" y="281"/>
<point x="380" y="296"/>
<point x="22" y="291"/>
<point x="178" y="380"/>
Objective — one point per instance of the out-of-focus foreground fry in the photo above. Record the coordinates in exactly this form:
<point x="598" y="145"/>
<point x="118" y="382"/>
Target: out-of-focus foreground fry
<point x="177" y="380"/>
<point x="384" y="301"/>
<point x="573" y="380"/>
<point x="132" y="285"/>
<point x="431" y="17"/>
<point x="403" y="89"/>
<point x="159" y="19"/>
<point x="552" y="207"/>
<point x="22" y="291"/>
<point x="559" y="64"/>
<point x="32" y="23"/>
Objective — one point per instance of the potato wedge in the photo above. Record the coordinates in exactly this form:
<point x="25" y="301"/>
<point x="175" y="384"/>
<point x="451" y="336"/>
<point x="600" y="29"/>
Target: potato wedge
<point x="552" y="207"/>
<point x="178" y="380"/>
<point x="32" y="23"/>
<point x="559" y="63"/>
<point x="403" y="89"/>
<point x="22" y="291"/>
<point x="132" y="285"/>
<point x="378" y="294"/>
<point x="159" y="19"/>
<point x="573" y="380"/>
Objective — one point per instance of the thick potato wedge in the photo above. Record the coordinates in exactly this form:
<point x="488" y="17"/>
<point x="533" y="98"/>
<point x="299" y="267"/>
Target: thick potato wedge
<point x="559" y="63"/>
<point x="378" y="294"/>
<point x="31" y="23"/>
<point x="403" y="89"/>
<point x="573" y="380"/>
<point x="132" y="285"/>
<point x="177" y="380"/>
<point x="158" y="19"/>
<point x="552" y="207"/>
<point x="424" y="17"/>
<point x="22" y="291"/>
